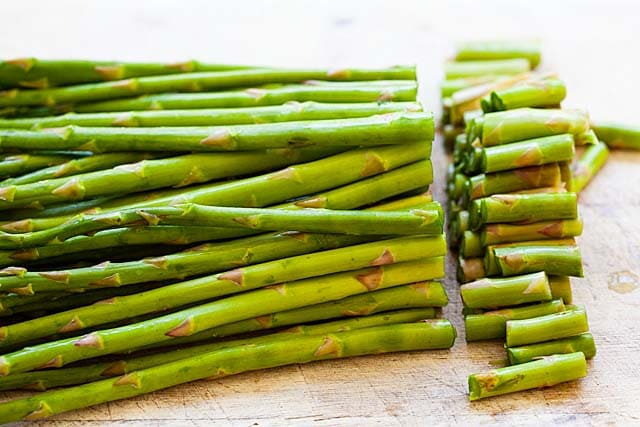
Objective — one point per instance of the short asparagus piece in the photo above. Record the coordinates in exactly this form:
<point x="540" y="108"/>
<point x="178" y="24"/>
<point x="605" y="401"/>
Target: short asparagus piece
<point x="580" y="343"/>
<point x="558" y="260"/>
<point x="545" y="372"/>
<point x="463" y="69"/>
<point x="561" y="288"/>
<point x="617" y="135"/>
<point x="493" y="293"/>
<point x="499" y="49"/>
<point x="554" y="229"/>
<point x="546" y="328"/>
<point x="518" y="179"/>
<point x="491" y="264"/>
<point x="531" y="152"/>
<point x="588" y="165"/>
<point x="493" y="324"/>
<point x="471" y="245"/>
<point x="533" y="93"/>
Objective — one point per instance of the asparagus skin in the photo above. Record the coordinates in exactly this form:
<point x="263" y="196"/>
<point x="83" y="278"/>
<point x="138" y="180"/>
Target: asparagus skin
<point x="470" y="269"/>
<point x="18" y="164"/>
<point x="499" y="49"/>
<point x="392" y="128"/>
<point x="580" y="343"/>
<point x="491" y="264"/>
<point x="514" y="180"/>
<point x="470" y="245"/>
<point x="554" y="229"/>
<point x="41" y="73"/>
<point x="291" y="182"/>
<point x="527" y="123"/>
<point x="558" y="260"/>
<point x="546" y="328"/>
<point x="531" y="152"/>
<point x="618" y="135"/>
<point x="561" y="288"/>
<point x="588" y="165"/>
<point x="336" y="92"/>
<point x="493" y="324"/>
<point x="492" y="293"/>
<point x="522" y="207"/>
<point x="203" y="289"/>
<point x="533" y="93"/>
<point x="454" y="70"/>
<point x="227" y="310"/>
<point x="282" y="350"/>
<point x="190" y="82"/>
<point x="545" y="372"/>
<point x="291" y="111"/>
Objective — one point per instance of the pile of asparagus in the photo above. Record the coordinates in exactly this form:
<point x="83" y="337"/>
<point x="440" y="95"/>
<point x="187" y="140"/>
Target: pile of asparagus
<point x="190" y="220"/>
<point x="513" y="217"/>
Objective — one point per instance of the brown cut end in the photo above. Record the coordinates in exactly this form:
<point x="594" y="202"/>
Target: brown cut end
<point x="21" y="226"/>
<point x="8" y="193"/>
<point x="109" y="281"/>
<point x="220" y="138"/>
<point x="316" y="202"/>
<point x="115" y="369"/>
<point x="43" y="411"/>
<point x="184" y="329"/>
<point x="341" y="74"/>
<point x="132" y="379"/>
<point x="110" y="72"/>
<point x="56" y="362"/>
<point x="150" y="218"/>
<point x="92" y="340"/>
<point x="373" y="165"/>
<point x="137" y="168"/>
<point x="265" y="322"/>
<point x="13" y="271"/>
<point x="23" y="290"/>
<point x="74" y="324"/>
<point x="385" y="258"/>
<point x="56" y="276"/>
<point x="531" y="156"/>
<point x="236" y="276"/>
<point x="477" y="190"/>
<point x="158" y="262"/>
<point x="289" y="173"/>
<point x="372" y="279"/>
<point x="279" y="288"/>
<point x="328" y="347"/>
<point x="72" y="189"/>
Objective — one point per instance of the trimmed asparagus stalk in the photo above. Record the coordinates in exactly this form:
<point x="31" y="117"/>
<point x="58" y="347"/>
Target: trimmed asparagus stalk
<point x="455" y="70"/>
<point x="617" y="135"/>
<point x="561" y="288"/>
<point x="533" y="93"/>
<point x="545" y="372"/>
<point x="514" y="180"/>
<point x="580" y="343"/>
<point x="588" y="165"/>
<point x="18" y="164"/>
<point x="546" y="328"/>
<point x="336" y="92"/>
<point x="527" y="123"/>
<point x="190" y="82"/>
<point x="554" y="229"/>
<point x="493" y="324"/>
<point x="522" y="207"/>
<point x="247" y="305"/>
<point x="209" y="287"/>
<point x="532" y="152"/>
<point x="493" y="293"/>
<point x="491" y="265"/>
<point x="471" y="245"/>
<point x="450" y="86"/>
<point x="558" y="260"/>
<point x="499" y="49"/>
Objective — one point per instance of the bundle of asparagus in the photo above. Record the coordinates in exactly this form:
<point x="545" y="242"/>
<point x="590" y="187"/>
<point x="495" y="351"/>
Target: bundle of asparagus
<point x="513" y="211"/>
<point x="240" y="228"/>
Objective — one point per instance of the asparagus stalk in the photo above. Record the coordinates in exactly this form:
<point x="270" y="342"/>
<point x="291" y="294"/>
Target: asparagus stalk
<point x="554" y="229"/>
<point x="42" y="73"/>
<point x="588" y="165"/>
<point x="532" y="152"/>
<point x="493" y="50"/>
<point x="18" y="164"/>
<point x="546" y="328"/>
<point x="514" y="180"/>
<point x="617" y="135"/>
<point x="545" y="372"/>
<point x="190" y="82"/>
<point x="533" y="93"/>
<point x="209" y="287"/>
<point x="558" y="260"/>
<point x="493" y="324"/>
<point x="491" y="264"/>
<point x="471" y="245"/>
<point x="561" y="288"/>
<point x="392" y="128"/>
<point x="492" y="293"/>
<point x="463" y="69"/>
<point x="337" y="92"/>
<point x="501" y="208"/>
<point x="291" y="111"/>
<point x="527" y="123"/>
<point x="227" y="310"/>
<point x="450" y="86"/>
<point x="580" y="343"/>
<point x="282" y="350"/>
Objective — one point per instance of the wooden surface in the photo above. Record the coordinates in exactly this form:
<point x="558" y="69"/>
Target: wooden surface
<point x="594" y="48"/>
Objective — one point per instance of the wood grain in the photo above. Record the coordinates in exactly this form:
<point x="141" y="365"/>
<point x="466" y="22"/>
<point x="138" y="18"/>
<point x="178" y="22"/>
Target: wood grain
<point x="592" y="45"/>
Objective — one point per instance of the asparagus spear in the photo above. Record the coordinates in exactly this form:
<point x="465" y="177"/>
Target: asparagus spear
<point x="18" y="164"/>
<point x="190" y="82"/>
<point x="395" y="90"/>
<point x="291" y="111"/>
<point x="499" y="49"/>
<point x="463" y="69"/>
<point x="558" y="260"/>
<point x="227" y="310"/>
<point x="554" y="229"/>
<point x="531" y="152"/>
<point x="527" y="123"/>
<point x="491" y="264"/>
<point x="471" y="245"/>
<point x="209" y="287"/>
<point x="617" y="135"/>
<point x="282" y="350"/>
<point x="514" y="180"/>
<point x="41" y="73"/>
<point x="580" y="343"/>
<point x="546" y="328"/>
<point x="561" y="288"/>
<point x="588" y="165"/>
<point x="545" y="372"/>
<point x="522" y="207"/>
<point x="392" y="128"/>
<point x="539" y="93"/>
<point x="493" y="324"/>
<point x="492" y="293"/>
